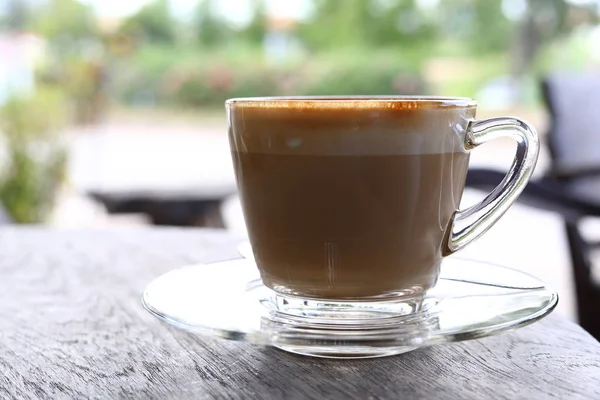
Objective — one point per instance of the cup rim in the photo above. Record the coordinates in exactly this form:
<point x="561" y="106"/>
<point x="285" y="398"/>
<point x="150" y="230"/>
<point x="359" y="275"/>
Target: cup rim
<point x="351" y="100"/>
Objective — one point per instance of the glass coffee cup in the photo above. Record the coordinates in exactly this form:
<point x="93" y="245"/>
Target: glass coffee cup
<point x="354" y="201"/>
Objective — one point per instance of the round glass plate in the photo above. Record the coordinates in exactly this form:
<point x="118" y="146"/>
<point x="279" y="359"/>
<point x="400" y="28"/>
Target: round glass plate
<point x="227" y="299"/>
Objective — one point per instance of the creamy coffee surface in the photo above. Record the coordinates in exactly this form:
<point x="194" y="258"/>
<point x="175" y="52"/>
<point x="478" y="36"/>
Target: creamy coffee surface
<point x="376" y="127"/>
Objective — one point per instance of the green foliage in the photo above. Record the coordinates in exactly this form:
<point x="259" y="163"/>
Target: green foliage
<point x="153" y="23"/>
<point x="351" y="74"/>
<point x="75" y="55"/>
<point x="211" y="30"/>
<point x="478" y="71"/>
<point x="565" y="53"/>
<point x="84" y="82"/>
<point x="480" y="25"/>
<point x="360" y="23"/>
<point x="86" y="87"/>
<point x="65" y="21"/>
<point x="345" y="47"/>
<point x="35" y="117"/>
<point x="335" y="26"/>
<point x="29" y="189"/>
<point x="180" y="77"/>
<point x="255" y="32"/>
<point x="35" y="159"/>
<point x="491" y="29"/>
<point x="143" y="75"/>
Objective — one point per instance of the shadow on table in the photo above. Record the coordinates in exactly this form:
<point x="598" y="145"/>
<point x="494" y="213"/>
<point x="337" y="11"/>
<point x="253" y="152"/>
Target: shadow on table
<point x="551" y="359"/>
<point x="501" y="367"/>
<point x="301" y="376"/>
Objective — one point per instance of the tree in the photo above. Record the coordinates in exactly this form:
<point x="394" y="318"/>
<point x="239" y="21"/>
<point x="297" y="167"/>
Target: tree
<point x="481" y="25"/>
<point x="544" y="20"/>
<point x="211" y="29"/>
<point x="65" y="21"/>
<point x="153" y="22"/>
<point x="397" y="22"/>
<point x="335" y="26"/>
<point x="256" y="30"/>
<point x="360" y="23"/>
<point x="34" y="157"/>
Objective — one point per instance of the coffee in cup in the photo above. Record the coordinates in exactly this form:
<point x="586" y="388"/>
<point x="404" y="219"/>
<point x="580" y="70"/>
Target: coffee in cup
<point x="355" y="198"/>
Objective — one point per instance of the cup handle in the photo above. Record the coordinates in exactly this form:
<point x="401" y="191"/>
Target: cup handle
<point x="469" y="224"/>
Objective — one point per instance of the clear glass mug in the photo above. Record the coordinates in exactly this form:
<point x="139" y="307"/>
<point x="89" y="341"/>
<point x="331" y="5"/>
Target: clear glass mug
<point x="355" y="200"/>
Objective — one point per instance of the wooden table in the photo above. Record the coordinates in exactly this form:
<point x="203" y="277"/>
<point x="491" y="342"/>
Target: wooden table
<point x="72" y="326"/>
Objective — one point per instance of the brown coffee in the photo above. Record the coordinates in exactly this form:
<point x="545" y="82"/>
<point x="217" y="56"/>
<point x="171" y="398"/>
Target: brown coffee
<point x="346" y="202"/>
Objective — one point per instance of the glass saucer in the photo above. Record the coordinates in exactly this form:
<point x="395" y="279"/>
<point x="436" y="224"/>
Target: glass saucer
<point x="228" y="300"/>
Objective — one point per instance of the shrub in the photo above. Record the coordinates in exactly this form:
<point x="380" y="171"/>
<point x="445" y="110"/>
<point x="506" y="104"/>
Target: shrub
<point x="182" y="77"/>
<point x="35" y="160"/>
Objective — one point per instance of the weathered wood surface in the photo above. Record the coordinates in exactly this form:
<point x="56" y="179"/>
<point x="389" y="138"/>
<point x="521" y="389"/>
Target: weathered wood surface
<point x="72" y="326"/>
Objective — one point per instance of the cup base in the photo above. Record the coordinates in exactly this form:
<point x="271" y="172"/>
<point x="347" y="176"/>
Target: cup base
<point x="359" y="314"/>
<point x="355" y="326"/>
<point x="340" y="311"/>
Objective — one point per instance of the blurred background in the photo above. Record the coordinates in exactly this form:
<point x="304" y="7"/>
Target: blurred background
<point x="111" y="112"/>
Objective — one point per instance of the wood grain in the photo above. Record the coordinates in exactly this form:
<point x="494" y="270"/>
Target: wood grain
<point x="72" y="326"/>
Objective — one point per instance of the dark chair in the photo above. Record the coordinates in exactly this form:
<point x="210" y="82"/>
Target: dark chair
<point x="572" y="185"/>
